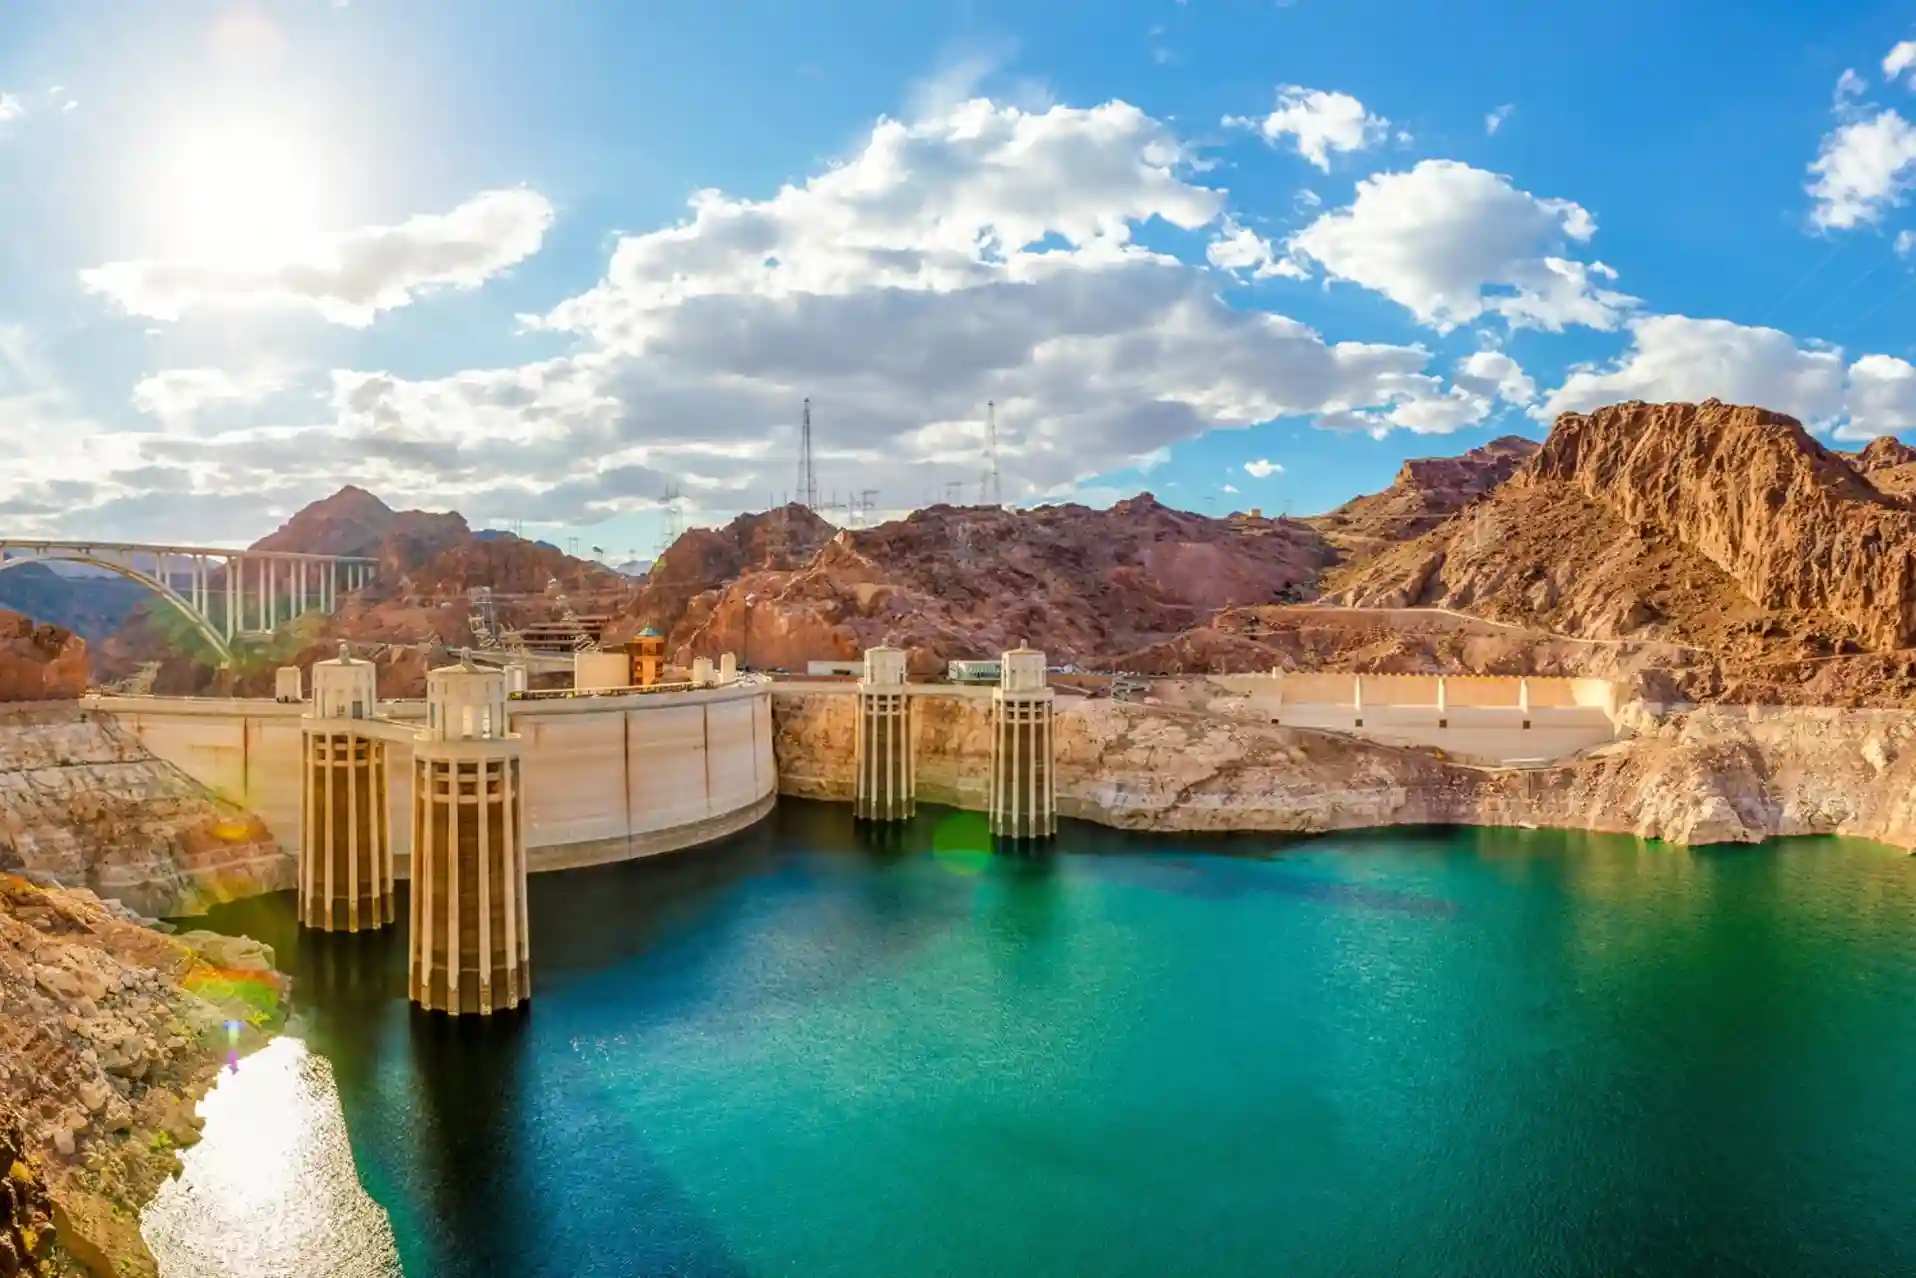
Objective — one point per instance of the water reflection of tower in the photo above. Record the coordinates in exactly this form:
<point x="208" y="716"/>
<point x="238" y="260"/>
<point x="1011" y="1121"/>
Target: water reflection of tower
<point x="470" y="949"/>
<point x="471" y="1138"/>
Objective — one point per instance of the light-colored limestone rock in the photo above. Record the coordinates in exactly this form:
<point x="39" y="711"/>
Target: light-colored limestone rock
<point x="1718" y="774"/>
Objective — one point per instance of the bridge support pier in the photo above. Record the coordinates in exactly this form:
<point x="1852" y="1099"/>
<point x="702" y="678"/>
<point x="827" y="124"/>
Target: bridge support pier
<point x="1024" y="803"/>
<point x="887" y="786"/>
<point x="470" y="952"/>
<point x="345" y="847"/>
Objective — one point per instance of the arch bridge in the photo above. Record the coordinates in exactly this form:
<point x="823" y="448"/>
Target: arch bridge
<point x="225" y="595"/>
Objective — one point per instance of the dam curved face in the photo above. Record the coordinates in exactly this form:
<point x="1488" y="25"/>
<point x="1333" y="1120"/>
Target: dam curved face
<point x="603" y="778"/>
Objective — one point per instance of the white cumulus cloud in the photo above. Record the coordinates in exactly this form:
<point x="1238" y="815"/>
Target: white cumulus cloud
<point x="1882" y="398"/>
<point x="1862" y="170"/>
<point x="1495" y="120"/>
<point x="11" y="107"/>
<point x="1449" y="243"/>
<point x="177" y="395"/>
<point x="351" y="277"/>
<point x="1676" y="357"/>
<point x="1239" y="248"/>
<point x="986" y="253"/>
<point x="1262" y="468"/>
<point x="1320" y="123"/>
<point x="1899" y="59"/>
<point x="1493" y="374"/>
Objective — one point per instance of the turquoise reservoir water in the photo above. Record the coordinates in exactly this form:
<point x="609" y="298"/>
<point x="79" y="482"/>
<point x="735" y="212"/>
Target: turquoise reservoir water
<point x="1467" y="1052"/>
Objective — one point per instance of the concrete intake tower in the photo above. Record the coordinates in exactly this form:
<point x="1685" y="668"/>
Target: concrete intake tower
<point x="887" y="787"/>
<point x="470" y="952"/>
<point x="1024" y="795"/>
<point x="346" y="854"/>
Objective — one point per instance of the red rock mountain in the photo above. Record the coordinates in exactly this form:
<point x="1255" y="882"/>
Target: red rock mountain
<point x="1726" y="529"/>
<point x="1427" y="491"/>
<point x="1890" y="466"/>
<point x="687" y="578"/>
<point x="427" y="562"/>
<point x="38" y="662"/>
<point x="1883" y="452"/>
<point x="354" y="522"/>
<point x="1791" y="523"/>
<point x="948" y="582"/>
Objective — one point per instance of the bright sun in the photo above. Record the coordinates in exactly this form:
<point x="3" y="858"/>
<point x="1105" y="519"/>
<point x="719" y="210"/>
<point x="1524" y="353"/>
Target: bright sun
<point x="237" y="194"/>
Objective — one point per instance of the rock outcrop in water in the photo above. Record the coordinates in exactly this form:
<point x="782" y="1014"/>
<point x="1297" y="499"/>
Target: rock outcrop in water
<point x="111" y="1033"/>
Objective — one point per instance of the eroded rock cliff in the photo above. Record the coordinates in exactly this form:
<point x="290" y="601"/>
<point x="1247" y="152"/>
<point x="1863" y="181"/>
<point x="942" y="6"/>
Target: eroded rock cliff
<point x="83" y="803"/>
<point x="109" y="1033"/>
<point x="39" y="662"/>
<point x="1791" y="523"/>
<point x="1426" y="491"/>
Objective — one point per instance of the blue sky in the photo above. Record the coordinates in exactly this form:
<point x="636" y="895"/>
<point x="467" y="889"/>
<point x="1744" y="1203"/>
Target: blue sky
<point x="254" y="249"/>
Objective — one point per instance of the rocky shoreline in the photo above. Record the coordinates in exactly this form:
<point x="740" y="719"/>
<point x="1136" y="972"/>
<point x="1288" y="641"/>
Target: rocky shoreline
<point x="110" y="1032"/>
<point x="1713" y="774"/>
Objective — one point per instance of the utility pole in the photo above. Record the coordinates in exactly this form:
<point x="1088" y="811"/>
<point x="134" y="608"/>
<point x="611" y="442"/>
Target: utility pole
<point x="674" y="523"/>
<point x="807" y="475"/>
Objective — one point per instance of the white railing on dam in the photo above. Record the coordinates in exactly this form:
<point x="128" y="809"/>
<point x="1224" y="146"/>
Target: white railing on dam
<point x="1497" y="718"/>
<point x="607" y="778"/>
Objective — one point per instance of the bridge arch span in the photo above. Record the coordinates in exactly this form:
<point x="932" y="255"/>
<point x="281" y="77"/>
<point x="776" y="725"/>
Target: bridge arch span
<point x="158" y="587"/>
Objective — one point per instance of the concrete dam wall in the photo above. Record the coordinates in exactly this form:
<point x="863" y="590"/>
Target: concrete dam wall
<point x="607" y="778"/>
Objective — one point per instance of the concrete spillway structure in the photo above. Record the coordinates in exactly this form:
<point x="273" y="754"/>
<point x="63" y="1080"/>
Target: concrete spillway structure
<point x="1024" y="798"/>
<point x="470" y="952"/>
<point x="887" y="787"/>
<point x="346" y="852"/>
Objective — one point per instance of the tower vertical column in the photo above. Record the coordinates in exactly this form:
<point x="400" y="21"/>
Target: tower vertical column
<point x="887" y="786"/>
<point x="345" y="852"/>
<point x="1023" y="785"/>
<point x="469" y="950"/>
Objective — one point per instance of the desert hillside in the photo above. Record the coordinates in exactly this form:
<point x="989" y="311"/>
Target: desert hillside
<point x="950" y="582"/>
<point x="1721" y="541"/>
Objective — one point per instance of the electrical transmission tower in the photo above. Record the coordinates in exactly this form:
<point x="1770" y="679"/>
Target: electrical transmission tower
<point x="955" y="492"/>
<point x="990" y="492"/>
<point x="866" y="503"/>
<point x="807" y="475"/>
<point x="674" y="524"/>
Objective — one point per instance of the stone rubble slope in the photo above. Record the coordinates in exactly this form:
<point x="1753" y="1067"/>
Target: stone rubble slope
<point x="109" y="1033"/>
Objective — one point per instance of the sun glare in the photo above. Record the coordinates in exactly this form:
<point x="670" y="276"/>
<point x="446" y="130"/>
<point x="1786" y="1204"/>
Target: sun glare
<point x="237" y="194"/>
